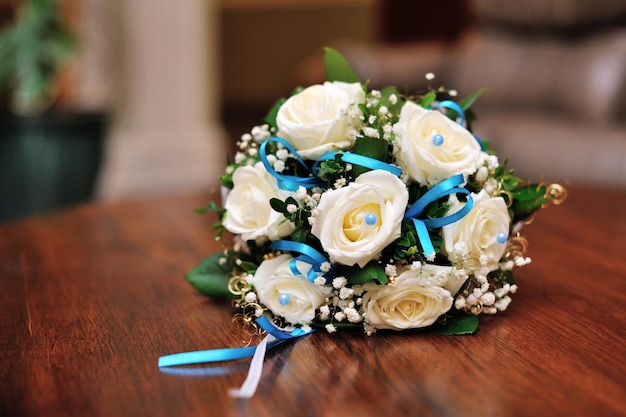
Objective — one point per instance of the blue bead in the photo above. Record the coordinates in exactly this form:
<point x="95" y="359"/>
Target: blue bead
<point x="371" y="219"/>
<point x="284" y="299"/>
<point x="438" y="140"/>
<point x="502" y="237"/>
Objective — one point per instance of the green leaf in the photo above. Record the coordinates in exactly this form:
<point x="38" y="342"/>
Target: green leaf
<point x="465" y="104"/>
<point x="428" y="99"/>
<point x="210" y="277"/>
<point x="371" y="271"/>
<point x="469" y="100"/>
<point x="527" y="200"/>
<point x="370" y="147"/>
<point x="458" y="325"/>
<point x="337" y="67"/>
<point x="270" y="118"/>
<point x="278" y="205"/>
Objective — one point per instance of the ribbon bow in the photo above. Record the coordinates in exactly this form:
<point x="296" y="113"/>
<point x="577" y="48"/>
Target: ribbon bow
<point x="293" y="182"/>
<point x="447" y="187"/>
<point x="307" y="254"/>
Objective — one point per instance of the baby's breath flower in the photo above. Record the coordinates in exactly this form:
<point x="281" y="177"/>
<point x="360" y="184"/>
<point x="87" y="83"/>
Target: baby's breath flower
<point x="325" y="267"/>
<point x="345" y="293"/>
<point x="353" y="315"/>
<point x="391" y="270"/>
<point x="429" y="76"/>
<point x="339" y="183"/>
<point x="453" y="93"/>
<point x="282" y="154"/>
<point x="301" y="193"/>
<point x="339" y="282"/>
<point x="292" y="208"/>
<point x="279" y="166"/>
<point x="488" y="298"/>
<point x="324" y="313"/>
<point x="492" y="162"/>
<point x="250" y="297"/>
<point x="339" y="316"/>
<point x="239" y="157"/>
<point x="491" y="186"/>
<point x="461" y="274"/>
<point x="319" y="281"/>
<point x="330" y="328"/>
<point x="503" y="303"/>
<point x="482" y="174"/>
<point x="370" y="132"/>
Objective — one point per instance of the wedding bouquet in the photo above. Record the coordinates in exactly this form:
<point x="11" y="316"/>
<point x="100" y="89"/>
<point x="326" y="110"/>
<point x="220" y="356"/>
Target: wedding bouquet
<point x="372" y="209"/>
<point x="368" y="209"/>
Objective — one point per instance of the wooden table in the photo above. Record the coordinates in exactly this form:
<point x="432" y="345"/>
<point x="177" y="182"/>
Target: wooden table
<point x="91" y="297"/>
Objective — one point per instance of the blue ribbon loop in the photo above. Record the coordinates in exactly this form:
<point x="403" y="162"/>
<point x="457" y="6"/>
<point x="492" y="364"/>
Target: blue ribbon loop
<point x="229" y="354"/>
<point x="307" y="254"/>
<point x="293" y="182"/>
<point x="288" y="182"/>
<point x="444" y="188"/>
<point x="449" y="104"/>
<point x="362" y="160"/>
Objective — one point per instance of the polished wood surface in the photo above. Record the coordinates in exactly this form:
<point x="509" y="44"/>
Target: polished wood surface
<point x="91" y="297"/>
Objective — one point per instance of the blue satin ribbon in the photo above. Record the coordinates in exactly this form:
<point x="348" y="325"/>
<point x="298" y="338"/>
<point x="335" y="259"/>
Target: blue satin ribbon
<point x="229" y="354"/>
<point x="449" y="104"/>
<point x="362" y="160"/>
<point x="307" y="254"/>
<point x="288" y="182"/>
<point x="446" y="187"/>
<point x="293" y="182"/>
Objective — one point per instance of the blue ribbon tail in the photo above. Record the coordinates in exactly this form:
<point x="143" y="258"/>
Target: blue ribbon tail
<point x="444" y="188"/>
<point x="212" y="355"/>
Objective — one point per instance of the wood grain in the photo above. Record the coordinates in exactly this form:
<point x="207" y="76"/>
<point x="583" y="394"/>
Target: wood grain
<point x="91" y="297"/>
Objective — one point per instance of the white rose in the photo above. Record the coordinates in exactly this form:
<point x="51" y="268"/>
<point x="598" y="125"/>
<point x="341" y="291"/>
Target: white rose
<point x="315" y="120"/>
<point x="356" y="222"/>
<point x="408" y="304"/>
<point x="483" y="232"/>
<point x="431" y="148"/>
<point x="291" y="296"/>
<point x="248" y="210"/>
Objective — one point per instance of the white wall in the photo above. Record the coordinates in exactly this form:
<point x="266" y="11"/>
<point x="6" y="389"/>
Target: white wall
<point x="165" y="138"/>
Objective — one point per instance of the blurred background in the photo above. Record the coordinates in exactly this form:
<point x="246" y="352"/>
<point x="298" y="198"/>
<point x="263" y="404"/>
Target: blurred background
<point x="114" y="99"/>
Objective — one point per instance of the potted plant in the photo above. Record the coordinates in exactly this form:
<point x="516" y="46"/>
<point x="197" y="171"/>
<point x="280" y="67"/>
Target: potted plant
<point x="50" y="154"/>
